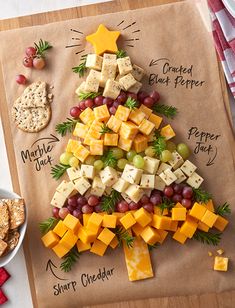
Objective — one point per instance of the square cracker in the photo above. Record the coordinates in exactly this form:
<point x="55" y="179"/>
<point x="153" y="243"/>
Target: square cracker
<point x="3" y="247"/>
<point x="35" y="95"/>
<point x="16" y="210"/>
<point x="12" y="240"/>
<point x="4" y="219"/>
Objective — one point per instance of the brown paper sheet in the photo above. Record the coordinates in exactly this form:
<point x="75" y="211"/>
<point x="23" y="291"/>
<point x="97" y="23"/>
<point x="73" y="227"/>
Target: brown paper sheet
<point x="172" y="34"/>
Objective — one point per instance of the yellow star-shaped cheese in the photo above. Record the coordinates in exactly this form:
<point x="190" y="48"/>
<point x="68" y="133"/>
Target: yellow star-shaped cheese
<point x="104" y="40"/>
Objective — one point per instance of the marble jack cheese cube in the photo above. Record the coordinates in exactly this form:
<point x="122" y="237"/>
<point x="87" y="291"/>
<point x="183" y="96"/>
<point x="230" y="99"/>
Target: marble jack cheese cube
<point x="87" y="171"/>
<point x="73" y="173"/>
<point x="121" y="185"/>
<point x="108" y="176"/>
<point x="81" y="88"/>
<point x="82" y="185"/>
<point x="147" y="181"/>
<point x="195" y="180"/>
<point x="134" y="192"/>
<point x="97" y="187"/>
<point x="132" y="174"/>
<point x="127" y="81"/>
<point x="180" y="176"/>
<point x="108" y="72"/>
<point x="163" y="167"/>
<point x="112" y="89"/>
<point x="159" y="183"/>
<point x="176" y="161"/>
<point x="188" y="168"/>
<point x="151" y="164"/>
<point x="65" y="188"/>
<point x="93" y="61"/>
<point x="58" y="200"/>
<point x="136" y="87"/>
<point x="168" y="177"/>
<point x="137" y="72"/>
<point x="124" y="65"/>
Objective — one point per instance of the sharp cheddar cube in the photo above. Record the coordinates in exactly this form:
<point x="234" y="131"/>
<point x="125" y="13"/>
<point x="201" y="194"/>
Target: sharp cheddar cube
<point x="124" y="65"/>
<point x="155" y="119"/>
<point x="221" y="264"/>
<point x="188" y="228"/>
<point x="128" y="130"/>
<point x="122" y="113"/>
<point x="69" y="239"/>
<point x="167" y="132"/>
<point x="163" y="234"/>
<point x="50" y="239"/>
<point x="60" y="229"/>
<point x="114" y="243"/>
<point x="72" y="145"/>
<point x="109" y="221"/>
<point x="93" y="61"/>
<point x="158" y="211"/>
<point x="97" y="147"/>
<point x="82" y="185"/>
<point x="202" y="226"/>
<point x="106" y="236"/>
<point x="178" y="205"/>
<point x="220" y="223"/>
<point x="119" y="216"/>
<point x="147" y="111"/>
<point x="143" y="217"/>
<point x="137" y="116"/>
<point x="87" y="235"/>
<point x="81" y="153"/>
<point x="209" y="218"/>
<point x="173" y="226"/>
<point x="127" y="81"/>
<point x="179" y="214"/>
<point x="197" y="211"/>
<point x="72" y="223"/>
<point x="150" y="236"/>
<point x="83" y="246"/>
<point x="137" y="229"/>
<point x="140" y="143"/>
<point x="85" y="218"/>
<point x="125" y="144"/>
<point x="95" y="129"/>
<point x="114" y="123"/>
<point x="209" y="206"/>
<point x="127" y="221"/>
<point x="98" y="248"/>
<point x="146" y="127"/>
<point x="101" y="113"/>
<point x="81" y="130"/>
<point x="95" y="221"/>
<point x="60" y="250"/>
<point x="179" y="237"/>
<point x="112" y="89"/>
<point x="87" y="116"/>
<point x="110" y="139"/>
<point x="161" y="222"/>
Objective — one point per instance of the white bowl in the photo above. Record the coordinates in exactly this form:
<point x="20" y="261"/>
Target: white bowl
<point x="4" y="194"/>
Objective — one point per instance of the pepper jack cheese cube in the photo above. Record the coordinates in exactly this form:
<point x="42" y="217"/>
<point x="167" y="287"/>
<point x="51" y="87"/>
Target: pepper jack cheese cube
<point x="159" y="183"/>
<point x="58" y="200"/>
<point x="114" y="123"/>
<point x="72" y="145"/>
<point x="127" y="221"/>
<point x="221" y="264"/>
<point x="101" y="113"/>
<point x="124" y="65"/>
<point x="122" y="113"/>
<point x="151" y="164"/>
<point x="87" y="171"/>
<point x="140" y="143"/>
<point x="137" y="116"/>
<point x="180" y="176"/>
<point x="220" y="223"/>
<point x="176" y="161"/>
<point x="110" y="139"/>
<point x="136" y="87"/>
<point x="167" y="132"/>
<point x="134" y="192"/>
<point x="197" y="211"/>
<point x="60" y="250"/>
<point x="155" y="119"/>
<point x="132" y="174"/>
<point x="188" y="228"/>
<point x="179" y="214"/>
<point x="97" y="147"/>
<point x="143" y="217"/>
<point x="108" y="176"/>
<point x="125" y="144"/>
<point x="137" y="72"/>
<point x="81" y="130"/>
<point x="168" y="177"/>
<point x="72" y="223"/>
<point x="97" y="187"/>
<point x="98" y="248"/>
<point x="150" y="236"/>
<point x="209" y="218"/>
<point x="50" y="239"/>
<point x="69" y="239"/>
<point x="106" y="236"/>
<point x="95" y="129"/>
<point x="163" y="167"/>
<point x="146" y="127"/>
<point x="121" y="185"/>
<point x="83" y="246"/>
<point x="81" y="185"/>
<point x="128" y="130"/>
<point x="87" y="116"/>
<point x="188" y="168"/>
<point x="109" y="221"/>
<point x="147" y="181"/>
<point x="112" y="89"/>
<point x="81" y="153"/>
<point x="60" y="229"/>
<point x="65" y="188"/>
<point x="127" y="81"/>
<point x="93" y="81"/>
<point x="179" y="237"/>
<point x="195" y="180"/>
<point x="147" y="111"/>
<point x="93" y="61"/>
<point x="81" y="88"/>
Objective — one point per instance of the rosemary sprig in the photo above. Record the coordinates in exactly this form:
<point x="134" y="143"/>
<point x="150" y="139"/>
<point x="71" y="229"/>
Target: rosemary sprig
<point x="223" y="210"/>
<point x="109" y="159"/>
<point x="58" y="170"/>
<point x="41" y="47"/>
<point x="168" y="111"/>
<point x="108" y="203"/>
<point x="81" y="68"/>
<point x="66" y="126"/>
<point x="124" y="236"/>
<point x="121" y="53"/>
<point x="105" y="129"/>
<point x="201" y="196"/>
<point x="166" y="204"/>
<point x="152" y="247"/>
<point x="208" y="238"/>
<point x="159" y="143"/>
<point x="69" y="260"/>
<point x="83" y="95"/>
<point x="47" y="224"/>
<point x="131" y="103"/>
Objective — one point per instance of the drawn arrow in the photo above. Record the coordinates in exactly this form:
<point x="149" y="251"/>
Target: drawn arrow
<point x="51" y="139"/>
<point x="211" y="160"/>
<point x="155" y="62"/>
<point x="50" y="266"/>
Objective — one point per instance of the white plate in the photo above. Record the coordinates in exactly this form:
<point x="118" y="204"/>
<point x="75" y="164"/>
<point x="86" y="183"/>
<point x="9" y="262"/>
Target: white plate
<point x="4" y="194"/>
<point x="230" y="6"/>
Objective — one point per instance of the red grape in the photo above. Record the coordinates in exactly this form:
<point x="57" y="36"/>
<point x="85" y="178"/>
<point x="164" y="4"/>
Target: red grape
<point x="30" y="51"/>
<point x="155" y="96"/>
<point x="186" y="203"/>
<point x="98" y="208"/>
<point x="168" y="191"/>
<point x="87" y="209"/>
<point x="148" y="207"/>
<point x="148" y="102"/>
<point x="81" y="200"/>
<point x="187" y="192"/>
<point x="108" y="101"/>
<point x="116" y="104"/>
<point x="75" y="112"/>
<point x="73" y="201"/>
<point x="178" y="188"/>
<point x="133" y="206"/>
<point x="63" y="212"/>
<point x="112" y="110"/>
<point x="77" y="213"/>
<point x="132" y="95"/>
<point x="156" y="199"/>
<point x="89" y="102"/>
<point x="28" y="62"/>
<point x="93" y="200"/>
<point x="55" y="212"/>
<point x="21" y="79"/>
<point x="39" y="63"/>
<point x="82" y="105"/>
<point x="122" y="206"/>
<point x="177" y="198"/>
<point x="98" y="100"/>
<point x="122" y="97"/>
<point x="144" y="199"/>
<point x="142" y="95"/>
<point x="70" y="208"/>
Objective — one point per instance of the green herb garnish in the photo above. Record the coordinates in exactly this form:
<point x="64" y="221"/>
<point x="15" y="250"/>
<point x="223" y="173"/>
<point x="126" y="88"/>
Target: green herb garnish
<point x="166" y="204"/>
<point x="58" y="170"/>
<point x="223" y="210"/>
<point x="201" y="196"/>
<point x="168" y="111"/>
<point x="159" y="143"/>
<point x="109" y="159"/>
<point x="131" y="103"/>
<point x="66" y="127"/>
<point x="83" y="95"/>
<point x="208" y="238"/>
<point x="152" y="247"/>
<point x="121" y="54"/>
<point x="124" y="236"/>
<point x="108" y="203"/>
<point x="81" y="68"/>
<point x="47" y="224"/>
<point x="69" y="260"/>
<point x="105" y="129"/>
<point x="41" y="47"/>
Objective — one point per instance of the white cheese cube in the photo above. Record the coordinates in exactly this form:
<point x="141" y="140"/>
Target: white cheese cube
<point x="188" y="168"/>
<point x="108" y="176"/>
<point x="195" y="180"/>
<point x="127" y="81"/>
<point x="73" y="173"/>
<point x="108" y="72"/>
<point x="147" y="192"/>
<point x="88" y="193"/>
<point x="176" y="161"/>
<point x="58" y="200"/>
<point x="94" y="61"/>
<point x="132" y="174"/>
<point x="117" y="79"/>
<point x="134" y="192"/>
<point x="136" y="87"/>
<point x="82" y="185"/>
<point x="97" y="187"/>
<point x="180" y="176"/>
<point x="147" y="181"/>
<point x="168" y="177"/>
<point x="81" y="88"/>
<point x="126" y="197"/>
<point x="137" y="72"/>
<point x="112" y="89"/>
<point x="151" y="164"/>
<point x="93" y="81"/>
<point x="65" y="188"/>
<point x="124" y="65"/>
<point x="159" y="183"/>
<point x="109" y="58"/>
<point x="121" y="185"/>
<point x="87" y="171"/>
<point x="163" y="167"/>
<point x="108" y="190"/>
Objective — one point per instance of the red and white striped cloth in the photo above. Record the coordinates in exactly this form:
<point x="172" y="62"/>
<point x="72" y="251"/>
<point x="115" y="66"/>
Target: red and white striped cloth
<point x="224" y="36"/>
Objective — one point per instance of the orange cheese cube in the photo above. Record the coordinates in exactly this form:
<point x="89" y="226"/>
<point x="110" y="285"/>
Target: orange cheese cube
<point x="157" y="210"/>
<point x="128" y="130"/>
<point x="98" y="248"/>
<point x="81" y="130"/>
<point x="94" y="221"/>
<point x="72" y="145"/>
<point x="221" y="264"/>
<point x="97" y="147"/>
<point x="161" y="222"/>
<point x="179" y="237"/>
<point x="72" y="223"/>
<point x="101" y="113"/>
<point x="140" y="143"/>
<point x="124" y="144"/>
<point x="114" y="124"/>
<point x="50" y="239"/>
<point x="106" y="236"/>
<point x="202" y="226"/>
<point x="146" y="127"/>
<point x="167" y="132"/>
<point x="88" y="139"/>
<point x="109" y="221"/>
<point x="69" y="239"/>
<point x="81" y="153"/>
<point x="85" y="218"/>
<point x="156" y="120"/>
<point x="143" y="217"/>
<point x="147" y="111"/>
<point x="188" y="228"/>
<point x="60" y="228"/>
<point x="119" y="216"/>
<point x="173" y="226"/>
<point x="197" y="211"/>
<point x="150" y="236"/>
<point x="86" y="235"/>
<point x="87" y="116"/>
<point x="209" y="206"/>
<point x="114" y="243"/>
<point x="209" y="218"/>
<point x="95" y="129"/>
<point x="122" y="113"/>
<point x="179" y="214"/>
<point x="60" y="250"/>
<point x="137" y="229"/>
<point x="178" y="205"/>
<point x="163" y="234"/>
<point x="83" y="246"/>
<point x="127" y="221"/>
<point x="220" y="223"/>
<point x="111" y="139"/>
<point x="137" y="116"/>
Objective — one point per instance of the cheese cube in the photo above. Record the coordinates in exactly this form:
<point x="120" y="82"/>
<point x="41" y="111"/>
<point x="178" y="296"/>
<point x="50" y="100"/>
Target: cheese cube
<point x="151" y="164"/>
<point x="127" y="221"/>
<point x="72" y="145"/>
<point x="161" y="222"/>
<point x="188" y="168"/>
<point x="82" y="246"/>
<point x="209" y="206"/>
<point x="159" y="183"/>
<point x="158" y="211"/>
<point x="179" y="214"/>
<point x="60" y="250"/>
<point x="132" y="174"/>
<point x="106" y="236"/>
<point x="209" y="218"/>
<point x="155" y="119"/>
<point x="97" y="147"/>
<point x="87" y="235"/>
<point x="81" y="153"/>
<point x="174" y="225"/>
<point x="88" y="139"/>
<point x="195" y="180"/>
<point x="93" y="81"/>
<point x="121" y="185"/>
<point x="128" y="130"/>
<point x="95" y="129"/>
<point x="81" y="88"/>
<point x="221" y="264"/>
<point x="119" y="216"/>
<point x="163" y="234"/>
<point x="95" y="221"/>
<point x="124" y="65"/>
<point x="114" y="123"/>
<point x="114" y="243"/>
<point x="188" y="228"/>
<point x="168" y="177"/>
<point x="125" y="144"/>
<point x="82" y="185"/>
<point x="108" y="190"/>
<point x="150" y="236"/>
<point x="134" y="192"/>
<point x="137" y="116"/>
<point x="167" y="132"/>
<point x="60" y="229"/>
<point x="147" y="181"/>
<point x="65" y="188"/>
<point x="50" y="239"/>
<point x="80" y="130"/>
<point x="202" y="226"/>
<point x="98" y="248"/>
<point x="108" y="72"/>
<point x="220" y="223"/>
<point x="137" y="72"/>
<point x="97" y="187"/>
<point x="163" y="167"/>
<point x="136" y="87"/>
<point x="178" y="205"/>
<point x="101" y="113"/>
<point x="112" y="89"/>
<point x="58" y="200"/>
<point x="87" y="116"/>
<point x="146" y="127"/>
<point x="179" y="237"/>
<point x="108" y="176"/>
<point x="197" y="211"/>
<point x="73" y="173"/>
<point x="127" y="81"/>
<point x="72" y="223"/>
<point x="140" y="143"/>
<point x="180" y="176"/>
<point x="137" y="229"/>
<point x="110" y="139"/>
<point x="109" y="221"/>
<point x="87" y="171"/>
<point x="176" y="161"/>
<point x="69" y="239"/>
<point x="110" y="58"/>
<point x="147" y="111"/>
<point x="122" y="113"/>
<point x="143" y="217"/>
<point x="93" y="61"/>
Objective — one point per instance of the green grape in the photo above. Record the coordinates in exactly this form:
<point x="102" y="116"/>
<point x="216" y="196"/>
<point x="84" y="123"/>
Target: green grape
<point x="74" y="162"/>
<point x="117" y="153"/>
<point x="170" y="146"/>
<point x="149" y="151"/>
<point x="138" y="161"/>
<point x="130" y="155"/>
<point x="90" y="160"/>
<point x="122" y="163"/>
<point x="183" y="150"/>
<point x="165" y="156"/>
<point x="98" y="164"/>
<point x="65" y="157"/>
